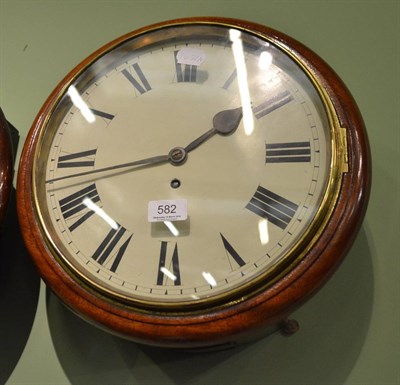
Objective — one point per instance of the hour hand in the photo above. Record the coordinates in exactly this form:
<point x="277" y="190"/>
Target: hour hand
<point x="224" y="123"/>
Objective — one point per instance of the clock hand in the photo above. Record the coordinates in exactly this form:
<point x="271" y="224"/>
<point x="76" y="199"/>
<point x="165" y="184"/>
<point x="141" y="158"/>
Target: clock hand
<point x="143" y="162"/>
<point x="224" y="123"/>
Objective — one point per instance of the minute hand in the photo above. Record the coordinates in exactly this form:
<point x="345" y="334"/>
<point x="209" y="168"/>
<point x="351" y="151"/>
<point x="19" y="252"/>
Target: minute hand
<point x="142" y="162"/>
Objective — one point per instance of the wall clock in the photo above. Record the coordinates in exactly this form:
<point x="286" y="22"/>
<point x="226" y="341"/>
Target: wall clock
<point x="192" y="183"/>
<point x="6" y="165"/>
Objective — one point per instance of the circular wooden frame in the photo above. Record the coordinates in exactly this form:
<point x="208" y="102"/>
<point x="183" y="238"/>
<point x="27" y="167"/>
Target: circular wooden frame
<point x="6" y="165"/>
<point x="256" y="314"/>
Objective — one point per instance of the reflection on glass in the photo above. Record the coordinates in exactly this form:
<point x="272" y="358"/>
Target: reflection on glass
<point x="263" y="231"/>
<point x="238" y="54"/>
<point x="81" y="105"/>
<point x="265" y="60"/>
<point x="209" y="278"/>
<point x="168" y="273"/>
<point x="171" y="227"/>
<point x="100" y="212"/>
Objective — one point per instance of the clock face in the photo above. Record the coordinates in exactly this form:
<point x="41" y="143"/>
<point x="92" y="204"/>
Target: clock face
<point x="185" y="166"/>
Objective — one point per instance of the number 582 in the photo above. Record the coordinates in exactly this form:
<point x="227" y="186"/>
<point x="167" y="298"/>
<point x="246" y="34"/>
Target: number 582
<point x="166" y="209"/>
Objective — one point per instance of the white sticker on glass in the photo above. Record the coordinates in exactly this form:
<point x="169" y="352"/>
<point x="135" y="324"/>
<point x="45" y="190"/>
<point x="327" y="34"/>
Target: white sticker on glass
<point x="167" y="210"/>
<point x="191" y="56"/>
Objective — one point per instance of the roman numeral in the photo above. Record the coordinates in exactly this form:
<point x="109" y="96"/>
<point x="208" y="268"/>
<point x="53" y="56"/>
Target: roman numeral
<point x="232" y="252"/>
<point x="73" y="208"/>
<point x="163" y="272"/>
<point x="141" y="85"/>
<point x="272" y="104"/>
<point x="186" y="72"/>
<point x="111" y="249"/>
<point x="272" y="207"/>
<point x="102" y="114"/>
<point x="77" y="159"/>
<point x="230" y="80"/>
<point x="297" y="152"/>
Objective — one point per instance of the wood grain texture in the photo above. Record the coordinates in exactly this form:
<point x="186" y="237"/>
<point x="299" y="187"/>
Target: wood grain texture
<point x="6" y="165"/>
<point x="245" y="318"/>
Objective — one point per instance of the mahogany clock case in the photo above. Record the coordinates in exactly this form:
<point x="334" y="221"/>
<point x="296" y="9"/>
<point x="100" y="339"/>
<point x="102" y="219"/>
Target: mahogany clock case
<point x="244" y="318"/>
<point x="6" y="165"/>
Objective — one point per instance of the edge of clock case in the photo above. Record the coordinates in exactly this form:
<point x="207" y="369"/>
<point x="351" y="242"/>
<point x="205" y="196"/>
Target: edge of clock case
<point x="242" y="320"/>
<point x="6" y="165"/>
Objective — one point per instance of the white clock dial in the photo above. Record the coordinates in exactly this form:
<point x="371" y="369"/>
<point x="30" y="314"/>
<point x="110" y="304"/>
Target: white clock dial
<point x="252" y="194"/>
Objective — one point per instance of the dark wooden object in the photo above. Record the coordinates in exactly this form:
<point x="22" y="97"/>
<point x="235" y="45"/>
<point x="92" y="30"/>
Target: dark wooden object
<point x="6" y="165"/>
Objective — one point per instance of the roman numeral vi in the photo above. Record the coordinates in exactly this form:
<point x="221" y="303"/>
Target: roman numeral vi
<point x="164" y="272"/>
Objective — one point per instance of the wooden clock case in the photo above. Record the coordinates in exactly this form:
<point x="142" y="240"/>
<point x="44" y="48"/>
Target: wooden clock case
<point x="244" y="318"/>
<point x="6" y="165"/>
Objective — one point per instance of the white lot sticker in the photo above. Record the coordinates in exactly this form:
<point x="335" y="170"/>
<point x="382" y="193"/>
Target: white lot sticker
<point x="169" y="210"/>
<point x="191" y="56"/>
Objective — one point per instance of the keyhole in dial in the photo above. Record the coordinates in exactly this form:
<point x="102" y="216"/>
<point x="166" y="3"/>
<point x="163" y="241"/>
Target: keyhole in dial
<point x="175" y="183"/>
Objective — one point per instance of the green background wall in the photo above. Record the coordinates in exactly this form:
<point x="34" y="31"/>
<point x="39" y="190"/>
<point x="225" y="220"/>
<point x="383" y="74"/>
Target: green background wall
<point x="349" y="330"/>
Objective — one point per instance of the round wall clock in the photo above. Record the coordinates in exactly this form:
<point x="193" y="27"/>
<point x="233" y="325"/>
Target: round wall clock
<point x="6" y="165"/>
<point x="192" y="183"/>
